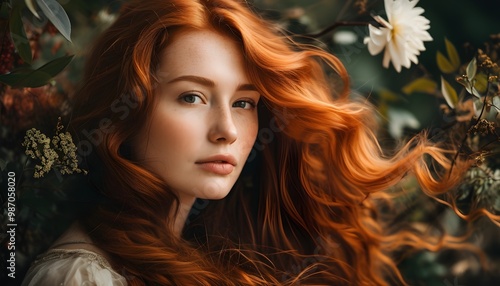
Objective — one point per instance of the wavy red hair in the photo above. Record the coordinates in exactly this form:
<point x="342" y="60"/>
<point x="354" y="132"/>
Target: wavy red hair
<point x="300" y="212"/>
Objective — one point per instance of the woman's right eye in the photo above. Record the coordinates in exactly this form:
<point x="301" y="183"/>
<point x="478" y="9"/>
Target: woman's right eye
<point x="191" y="98"/>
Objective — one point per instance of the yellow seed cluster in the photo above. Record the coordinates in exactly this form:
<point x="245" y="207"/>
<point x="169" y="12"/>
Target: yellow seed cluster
<point x="361" y="6"/>
<point x="56" y="153"/>
<point x="486" y="63"/>
<point x="483" y="127"/>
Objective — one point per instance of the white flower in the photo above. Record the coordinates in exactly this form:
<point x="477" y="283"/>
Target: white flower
<point x="105" y="17"/>
<point x="399" y="120"/>
<point x="403" y="35"/>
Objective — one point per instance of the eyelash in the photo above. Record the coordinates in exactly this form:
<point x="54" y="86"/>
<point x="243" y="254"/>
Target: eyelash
<point x="250" y="102"/>
<point x="185" y="95"/>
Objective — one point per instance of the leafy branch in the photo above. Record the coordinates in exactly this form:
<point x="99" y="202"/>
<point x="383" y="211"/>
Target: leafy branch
<point x="25" y="75"/>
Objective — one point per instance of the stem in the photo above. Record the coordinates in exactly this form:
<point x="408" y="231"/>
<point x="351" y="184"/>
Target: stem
<point x="466" y="136"/>
<point x="491" y="142"/>
<point x="334" y="26"/>
<point x="477" y="121"/>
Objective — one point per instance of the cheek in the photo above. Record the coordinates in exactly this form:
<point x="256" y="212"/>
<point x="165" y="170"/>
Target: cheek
<point x="168" y="134"/>
<point x="248" y="133"/>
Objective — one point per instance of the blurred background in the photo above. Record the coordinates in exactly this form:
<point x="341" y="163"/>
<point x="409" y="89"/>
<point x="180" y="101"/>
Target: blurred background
<point x="406" y="107"/>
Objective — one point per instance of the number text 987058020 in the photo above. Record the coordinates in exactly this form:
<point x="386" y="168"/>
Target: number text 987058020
<point x="11" y="224"/>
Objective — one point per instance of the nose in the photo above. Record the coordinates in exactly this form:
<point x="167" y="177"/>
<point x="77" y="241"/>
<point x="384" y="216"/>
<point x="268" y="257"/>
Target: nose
<point x="223" y="129"/>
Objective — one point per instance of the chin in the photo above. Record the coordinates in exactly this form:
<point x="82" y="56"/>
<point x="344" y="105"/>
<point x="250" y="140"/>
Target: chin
<point x="214" y="190"/>
<point x="214" y="194"/>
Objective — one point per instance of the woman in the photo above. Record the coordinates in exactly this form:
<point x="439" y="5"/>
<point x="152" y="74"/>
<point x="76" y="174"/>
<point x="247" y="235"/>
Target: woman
<point x="223" y="156"/>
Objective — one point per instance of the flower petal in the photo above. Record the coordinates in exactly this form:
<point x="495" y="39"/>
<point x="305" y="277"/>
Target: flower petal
<point x="402" y="36"/>
<point x="395" y="56"/>
<point x="387" y="59"/>
<point x="388" y="4"/>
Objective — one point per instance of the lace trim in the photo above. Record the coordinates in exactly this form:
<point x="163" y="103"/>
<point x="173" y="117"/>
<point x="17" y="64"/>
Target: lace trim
<point x="57" y="253"/>
<point x="70" y="243"/>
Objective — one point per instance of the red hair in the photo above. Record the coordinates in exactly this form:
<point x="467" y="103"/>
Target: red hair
<point x="298" y="213"/>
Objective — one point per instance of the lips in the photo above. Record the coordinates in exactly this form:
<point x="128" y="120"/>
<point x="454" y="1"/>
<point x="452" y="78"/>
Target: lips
<point x="218" y="164"/>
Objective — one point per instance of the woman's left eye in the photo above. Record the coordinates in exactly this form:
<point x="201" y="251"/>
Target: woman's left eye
<point x="245" y="104"/>
<point x="191" y="98"/>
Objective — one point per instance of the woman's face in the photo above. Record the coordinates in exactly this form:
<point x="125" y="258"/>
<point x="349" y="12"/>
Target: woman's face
<point x="205" y="123"/>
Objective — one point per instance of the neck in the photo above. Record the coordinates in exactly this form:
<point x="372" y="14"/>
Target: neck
<point x="185" y="204"/>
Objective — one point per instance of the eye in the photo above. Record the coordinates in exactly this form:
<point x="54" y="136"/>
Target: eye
<point x="245" y="104"/>
<point x="191" y="98"/>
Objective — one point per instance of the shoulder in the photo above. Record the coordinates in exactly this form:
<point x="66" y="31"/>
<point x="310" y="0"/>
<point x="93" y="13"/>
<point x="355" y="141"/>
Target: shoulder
<point x="72" y="267"/>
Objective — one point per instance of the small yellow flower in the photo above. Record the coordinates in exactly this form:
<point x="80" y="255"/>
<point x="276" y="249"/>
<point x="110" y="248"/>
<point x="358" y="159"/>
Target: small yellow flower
<point x="59" y="152"/>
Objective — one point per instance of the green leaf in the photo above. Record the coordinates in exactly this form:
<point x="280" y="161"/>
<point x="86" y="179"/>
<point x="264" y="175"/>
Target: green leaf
<point x="4" y="10"/>
<point x="55" y="66"/>
<point x="18" y="35"/>
<point x="387" y="95"/>
<point x="469" y="85"/>
<point x="38" y="77"/>
<point x="31" y="6"/>
<point x="481" y="82"/>
<point x="449" y="94"/>
<point x="472" y="69"/>
<point x="56" y="14"/>
<point x="422" y="84"/>
<point x="452" y="54"/>
<point x="496" y="205"/>
<point x="3" y="164"/>
<point x="444" y="64"/>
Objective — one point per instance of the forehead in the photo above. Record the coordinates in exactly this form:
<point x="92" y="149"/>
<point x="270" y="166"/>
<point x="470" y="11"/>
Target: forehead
<point x="202" y="51"/>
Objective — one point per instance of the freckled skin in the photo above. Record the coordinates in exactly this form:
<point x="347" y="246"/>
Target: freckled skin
<point x="195" y="120"/>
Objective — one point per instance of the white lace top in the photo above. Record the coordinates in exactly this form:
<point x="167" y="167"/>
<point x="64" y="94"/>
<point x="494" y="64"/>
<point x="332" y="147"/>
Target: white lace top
<point x="73" y="260"/>
<point x="72" y="267"/>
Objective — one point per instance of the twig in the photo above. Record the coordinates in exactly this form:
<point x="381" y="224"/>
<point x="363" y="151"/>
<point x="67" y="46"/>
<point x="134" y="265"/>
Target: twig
<point x="334" y="26"/>
<point x="467" y="136"/>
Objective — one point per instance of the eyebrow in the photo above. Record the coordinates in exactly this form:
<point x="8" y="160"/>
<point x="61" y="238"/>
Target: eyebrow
<point x="210" y="83"/>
